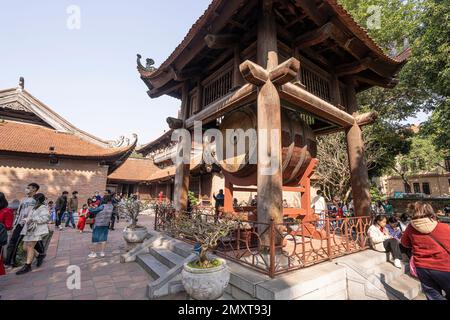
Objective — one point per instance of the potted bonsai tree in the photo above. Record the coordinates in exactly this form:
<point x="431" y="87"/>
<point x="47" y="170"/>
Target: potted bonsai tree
<point x="206" y="277"/>
<point x="132" y="208"/>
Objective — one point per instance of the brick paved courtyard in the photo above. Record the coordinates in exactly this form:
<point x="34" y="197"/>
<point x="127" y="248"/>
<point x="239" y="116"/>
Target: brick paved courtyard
<point x="101" y="278"/>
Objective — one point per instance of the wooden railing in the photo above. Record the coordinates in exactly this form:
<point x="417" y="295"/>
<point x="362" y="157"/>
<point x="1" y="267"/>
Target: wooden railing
<point x="218" y="87"/>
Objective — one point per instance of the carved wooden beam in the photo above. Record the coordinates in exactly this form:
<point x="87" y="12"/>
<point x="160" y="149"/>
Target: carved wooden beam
<point x="313" y="104"/>
<point x="282" y="73"/>
<point x="221" y="41"/>
<point x="158" y="92"/>
<point x="374" y="80"/>
<point x="175" y="123"/>
<point x="314" y="37"/>
<point x="366" y="118"/>
<point x="351" y="68"/>
<point x="310" y="8"/>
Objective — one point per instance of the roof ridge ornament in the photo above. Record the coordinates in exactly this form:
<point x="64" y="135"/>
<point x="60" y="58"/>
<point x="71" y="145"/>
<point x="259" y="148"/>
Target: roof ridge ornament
<point x="149" y="64"/>
<point x="21" y="85"/>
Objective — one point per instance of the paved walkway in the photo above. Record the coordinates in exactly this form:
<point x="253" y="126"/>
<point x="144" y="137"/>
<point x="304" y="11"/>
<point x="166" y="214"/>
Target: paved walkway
<point x="101" y="278"/>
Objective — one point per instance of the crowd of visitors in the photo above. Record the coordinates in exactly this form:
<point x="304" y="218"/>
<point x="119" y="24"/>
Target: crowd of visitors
<point x="28" y="221"/>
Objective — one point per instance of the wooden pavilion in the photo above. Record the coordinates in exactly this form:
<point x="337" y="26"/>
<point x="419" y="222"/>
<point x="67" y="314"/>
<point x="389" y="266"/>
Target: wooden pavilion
<point x="293" y="66"/>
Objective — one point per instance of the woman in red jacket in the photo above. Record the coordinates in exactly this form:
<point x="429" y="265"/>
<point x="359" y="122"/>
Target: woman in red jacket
<point x="7" y="219"/>
<point x="430" y="244"/>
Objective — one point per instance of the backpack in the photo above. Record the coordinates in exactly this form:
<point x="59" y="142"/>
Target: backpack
<point x="3" y="235"/>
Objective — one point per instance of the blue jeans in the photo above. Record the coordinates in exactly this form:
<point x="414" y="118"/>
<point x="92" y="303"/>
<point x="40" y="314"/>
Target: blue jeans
<point x="434" y="282"/>
<point x="70" y="219"/>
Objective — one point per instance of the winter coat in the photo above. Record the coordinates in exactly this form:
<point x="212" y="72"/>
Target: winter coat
<point x="377" y="237"/>
<point x="427" y="253"/>
<point x="103" y="214"/>
<point x="41" y="217"/>
<point x="73" y="205"/>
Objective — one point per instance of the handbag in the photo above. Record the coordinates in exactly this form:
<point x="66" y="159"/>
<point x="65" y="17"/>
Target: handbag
<point x="412" y="268"/>
<point x="31" y="226"/>
<point x="90" y="220"/>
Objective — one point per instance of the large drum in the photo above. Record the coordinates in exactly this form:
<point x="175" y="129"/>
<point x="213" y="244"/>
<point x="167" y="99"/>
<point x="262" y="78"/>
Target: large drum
<point x="298" y="145"/>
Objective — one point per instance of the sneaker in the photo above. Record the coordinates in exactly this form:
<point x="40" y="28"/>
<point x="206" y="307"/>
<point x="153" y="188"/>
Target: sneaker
<point x="92" y="255"/>
<point x="60" y="228"/>
<point x="102" y="254"/>
<point x="40" y="259"/>
<point x="398" y="263"/>
<point x="25" y="269"/>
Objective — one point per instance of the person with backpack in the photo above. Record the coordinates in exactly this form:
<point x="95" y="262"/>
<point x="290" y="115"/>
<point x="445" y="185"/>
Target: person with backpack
<point x="6" y="224"/>
<point x="429" y="241"/>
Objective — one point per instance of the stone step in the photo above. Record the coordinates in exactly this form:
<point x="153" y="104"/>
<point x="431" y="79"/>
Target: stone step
<point x="405" y="287"/>
<point x="154" y="267"/>
<point x="387" y="272"/>
<point x="166" y="256"/>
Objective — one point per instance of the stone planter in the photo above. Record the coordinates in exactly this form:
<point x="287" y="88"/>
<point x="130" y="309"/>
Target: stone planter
<point x="133" y="236"/>
<point x="206" y="284"/>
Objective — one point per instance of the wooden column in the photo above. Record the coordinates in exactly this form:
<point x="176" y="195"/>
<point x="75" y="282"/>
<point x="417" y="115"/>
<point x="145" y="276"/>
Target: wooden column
<point x="182" y="169"/>
<point x="270" y="187"/>
<point x="358" y="169"/>
<point x="267" y="47"/>
<point x="228" y="192"/>
<point x="238" y="81"/>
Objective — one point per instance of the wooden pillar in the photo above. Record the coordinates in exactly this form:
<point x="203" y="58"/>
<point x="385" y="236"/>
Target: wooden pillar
<point x="270" y="187"/>
<point x="238" y="81"/>
<point x="199" y="105"/>
<point x="267" y="48"/>
<point x="228" y="192"/>
<point x="182" y="169"/>
<point x="358" y="169"/>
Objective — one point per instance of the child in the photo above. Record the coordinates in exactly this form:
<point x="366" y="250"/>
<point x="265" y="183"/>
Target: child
<point x="52" y="211"/>
<point x="82" y="218"/>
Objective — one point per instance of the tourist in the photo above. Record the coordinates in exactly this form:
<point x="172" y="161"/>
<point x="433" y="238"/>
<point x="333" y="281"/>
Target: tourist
<point x="6" y="224"/>
<point x="82" y="216"/>
<point x="52" y="211"/>
<point x="381" y="240"/>
<point x="393" y="228"/>
<point x="388" y="208"/>
<point x="35" y="229"/>
<point x="61" y="209"/>
<point x="351" y="208"/>
<point x="220" y="199"/>
<point x="430" y="244"/>
<point x="285" y="204"/>
<point x="101" y="226"/>
<point x="403" y="222"/>
<point x="98" y="197"/>
<point x="72" y="208"/>
<point x="379" y="209"/>
<point x="115" y="213"/>
<point x="254" y="202"/>
<point x="319" y="205"/>
<point x="92" y="204"/>
<point x="25" y="208"/>
<point x="235" y="203"/>
<point x="160" y="197"/>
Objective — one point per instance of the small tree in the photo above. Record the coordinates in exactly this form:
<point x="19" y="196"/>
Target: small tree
<point x="132" y="209"/>
<point x="204" y="230"/>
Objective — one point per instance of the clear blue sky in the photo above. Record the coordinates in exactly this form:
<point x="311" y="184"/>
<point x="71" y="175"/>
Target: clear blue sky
<point x="89" y="75"/>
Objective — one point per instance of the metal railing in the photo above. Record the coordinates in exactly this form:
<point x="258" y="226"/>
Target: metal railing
<point x="276" y="248"/>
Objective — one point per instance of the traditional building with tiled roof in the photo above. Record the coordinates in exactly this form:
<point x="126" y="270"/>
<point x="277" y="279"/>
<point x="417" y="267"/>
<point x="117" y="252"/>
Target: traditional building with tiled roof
<point x="38" y="145"/>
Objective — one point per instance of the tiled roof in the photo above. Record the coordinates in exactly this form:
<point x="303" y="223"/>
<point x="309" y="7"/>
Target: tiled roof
<point x="343" y="14"/>
<point x="34" y="139"/>
<point x="135" y="170"/>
